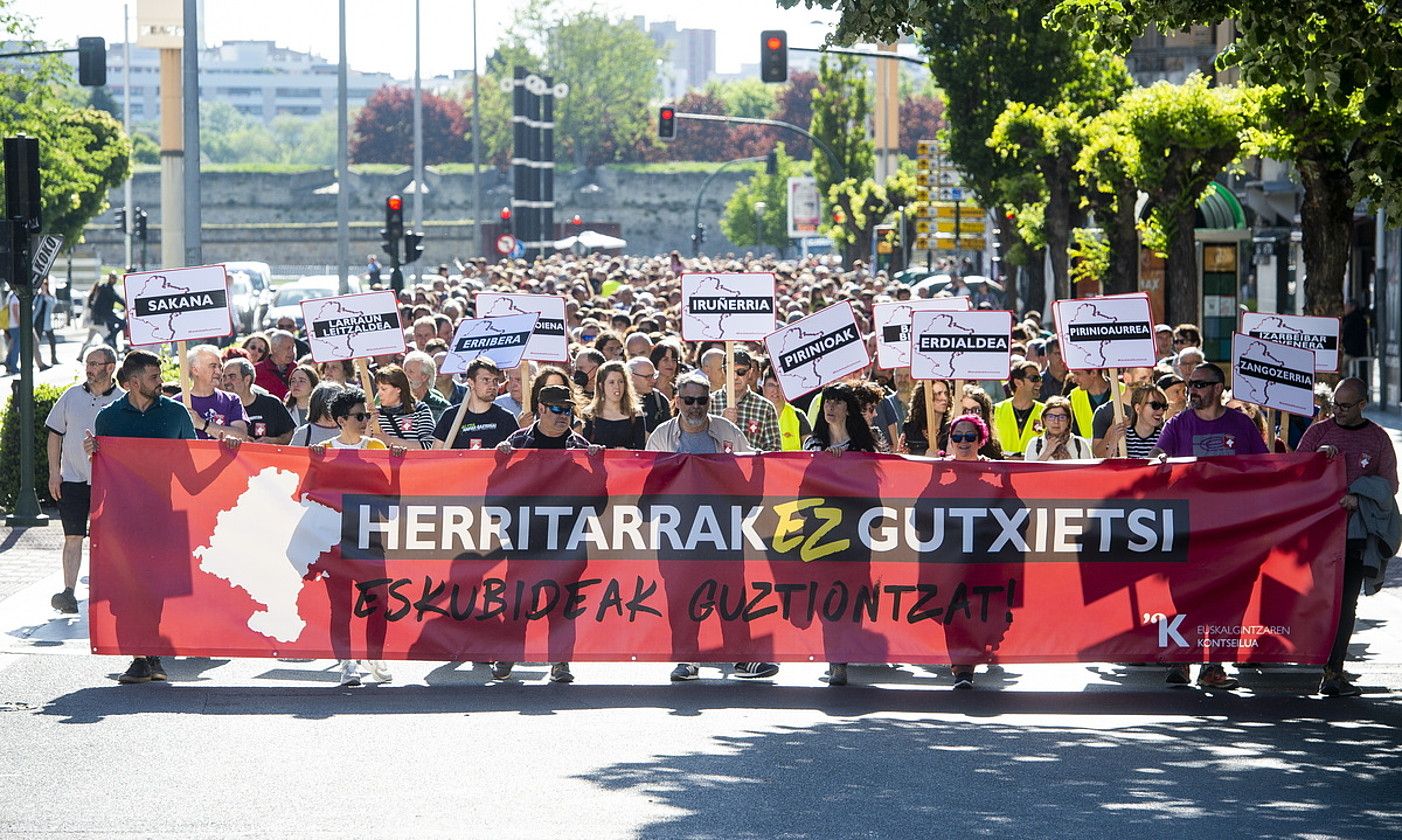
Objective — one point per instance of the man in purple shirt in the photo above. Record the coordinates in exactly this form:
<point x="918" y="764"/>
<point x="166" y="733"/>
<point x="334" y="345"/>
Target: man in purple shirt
<point x="213" y="411"/>
<point x="1207" y="429"/>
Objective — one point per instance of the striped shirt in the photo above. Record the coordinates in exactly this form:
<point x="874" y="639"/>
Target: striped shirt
<point x="415" y="428"/>
<point x="1140" y="447"/>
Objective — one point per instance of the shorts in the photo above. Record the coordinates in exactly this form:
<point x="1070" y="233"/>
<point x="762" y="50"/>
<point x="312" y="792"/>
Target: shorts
<point x="75" y="501"/>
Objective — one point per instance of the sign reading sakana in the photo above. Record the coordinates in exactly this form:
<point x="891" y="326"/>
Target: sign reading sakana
<point x="822" y="348"/>
<point x="1272" y="374"/>
<point x="353" y="326"/>
<point x="892" y="322"/>
<point x="548" y="343"/>
<point x="727" y="307"/>
<point x="178" y="304"/>
<point x="960" y="345"/>
<point x="1106" y="332"/>
<point x="1313" y="333"/>
<point x="503" y="340"/>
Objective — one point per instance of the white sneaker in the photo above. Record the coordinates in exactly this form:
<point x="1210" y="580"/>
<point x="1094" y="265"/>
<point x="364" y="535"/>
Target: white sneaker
<point x="350" y="676"/>
<point x="378" y="670"/>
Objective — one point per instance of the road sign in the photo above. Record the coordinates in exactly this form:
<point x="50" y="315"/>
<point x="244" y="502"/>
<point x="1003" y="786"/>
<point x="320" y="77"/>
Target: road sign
<point x="44" y="255"/>
<point x="922" y="163"/>
<point x="922" y="179"/>
<point x="922" y="193"/>
<point x="506" y="243"/>
<point x="924" y="148"/>
<point x="967" y="226"/>
<point x="956" y="193"/>
<point x="922" y="242"/>
<point x="518" y="250"/>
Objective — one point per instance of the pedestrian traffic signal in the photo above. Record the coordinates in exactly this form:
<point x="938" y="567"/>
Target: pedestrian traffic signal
<point x="121" y="223"/>
<point x="771" y="163"/>
<point x="666" y="122"/>
<point x="413" y="246"/>
<point x="92" y="62"/>
<point x="700" y="235"/>
<point x="505" y="219"/>
<point x="774" y="55"/>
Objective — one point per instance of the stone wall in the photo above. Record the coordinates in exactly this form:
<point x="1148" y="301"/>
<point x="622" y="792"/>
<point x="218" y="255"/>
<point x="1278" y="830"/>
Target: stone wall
<point x="281" y="218"/>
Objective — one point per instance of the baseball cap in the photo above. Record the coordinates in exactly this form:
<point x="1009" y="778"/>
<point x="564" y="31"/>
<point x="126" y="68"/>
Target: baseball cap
<point x="555" y="395"/>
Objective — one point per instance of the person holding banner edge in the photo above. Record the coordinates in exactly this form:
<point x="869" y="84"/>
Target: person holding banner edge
<point x="1370" y="466"/>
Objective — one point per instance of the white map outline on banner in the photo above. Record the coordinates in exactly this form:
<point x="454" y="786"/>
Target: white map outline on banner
<point x="455" y="362"/>
<point x="1322" y="357"/>
<point x="1245" y="386"/>
<point x="891" y="312"/>
<point x="513" y="304"/>
<point x="715" y="330"/>
<point x="350" y="351"/>
<point x="797" y="329"/>
<point x="953" y="320"/>
<point x="146" y="330"/>
<point x="1079" y="358"/>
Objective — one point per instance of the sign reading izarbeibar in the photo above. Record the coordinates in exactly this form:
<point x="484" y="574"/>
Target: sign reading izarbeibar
<point x="1310" y="332"/>
<point x="960" y="345"/>
<point x="178" y="304"/>
<point x="548" y="343"/>
<point x="892" y="328"/>
<point x="1272" y="374"/>
<point x="503" y="340"/>
<point x="813" y="351"/>
<point x="1106" y="332"/>
<point x="727" y="307"/>
<point x="550" y="556"/>
<point x="353" y="326"/>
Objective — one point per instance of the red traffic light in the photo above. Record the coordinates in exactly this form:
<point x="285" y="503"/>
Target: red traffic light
<point x="774" y="43"/>
<point x="506" y="214"/>
<point x="394" y="203"/>
<point x="576" y="220"/>
<point x="667" y="113"/>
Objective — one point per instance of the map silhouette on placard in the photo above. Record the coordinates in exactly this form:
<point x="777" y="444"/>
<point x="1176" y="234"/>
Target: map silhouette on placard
<point x="816" y="350"/>
<point x="1093" y="336"/>
<point x="1263" y="374"/>
<point x="1289" y="329"/>
<point x="734" y="308"/>
<point x="945" y="360"/>
<point x="353" y="326"/>
<point x="178" y="304"/>
<point x="502" y="339"/>
<point x="548" y="344"/>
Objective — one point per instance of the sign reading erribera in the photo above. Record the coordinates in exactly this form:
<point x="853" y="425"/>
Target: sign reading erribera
<point x="503" y="340"/>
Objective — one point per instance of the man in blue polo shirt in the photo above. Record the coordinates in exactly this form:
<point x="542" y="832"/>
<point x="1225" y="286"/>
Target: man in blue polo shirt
<point x="143" y="413"/>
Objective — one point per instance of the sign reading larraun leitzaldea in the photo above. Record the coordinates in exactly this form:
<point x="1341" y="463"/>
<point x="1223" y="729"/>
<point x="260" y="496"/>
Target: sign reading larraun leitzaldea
<point x="503" y="340"/>
<point x="178" y="304"/>
<point x="1106" y="332"/>
<point x="816" y="350"/>
<point x="727" y="307"/>
<point x="548" y="342"/>
<point x="960" y="345"/>
<point x="353" y="326"/>
<point x="892" y="322"/>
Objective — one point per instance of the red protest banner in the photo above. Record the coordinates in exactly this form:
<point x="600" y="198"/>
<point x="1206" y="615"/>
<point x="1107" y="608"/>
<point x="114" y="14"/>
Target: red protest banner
<point x="548" y="556"/>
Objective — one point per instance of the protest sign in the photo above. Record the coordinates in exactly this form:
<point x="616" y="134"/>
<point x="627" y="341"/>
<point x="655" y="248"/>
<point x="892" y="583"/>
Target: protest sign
<point x="353" y="326"/>
<point x="551" y="556"/>
<point x="1316" y="334"/>
<point x="177" y="304"/>
<point x="816" y="350"/>
<point x="503" y="340"/>
<point x="548" y="342"/>
<point x="727" y="307"/>
<point x="892" y="326"/>
<point x="1272" y="374"/>
<point x="1106" y="332"/>
<point x="960" y="345"/>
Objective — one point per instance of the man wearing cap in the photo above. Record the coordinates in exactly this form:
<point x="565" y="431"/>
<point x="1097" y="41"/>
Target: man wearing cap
<point x="1163" y="343"/>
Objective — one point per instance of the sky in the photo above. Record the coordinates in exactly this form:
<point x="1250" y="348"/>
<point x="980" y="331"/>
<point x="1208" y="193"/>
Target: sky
<point x="380" y="33"/>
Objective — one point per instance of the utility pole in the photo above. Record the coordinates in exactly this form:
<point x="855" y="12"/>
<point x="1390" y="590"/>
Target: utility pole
<point x="342" y="164"/>
<point x="21" y="223"/>
<point x="476" y="145"/>
<point x="160" y="27"/>
<point x="126" y="126"/>
<point x="418" y="134"/>
<point x="191" y="112"/>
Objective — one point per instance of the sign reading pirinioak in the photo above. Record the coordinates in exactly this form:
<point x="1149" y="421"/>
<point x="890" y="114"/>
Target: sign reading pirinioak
<point x="503" y="340"/>
<point x="816" y="350"/>
<point x="1106" y="332"/>
<point x="548" y="343"/>
<point x="727" y="307"/>
<point x="178" y="304"/>
<point x="353" y="326"/>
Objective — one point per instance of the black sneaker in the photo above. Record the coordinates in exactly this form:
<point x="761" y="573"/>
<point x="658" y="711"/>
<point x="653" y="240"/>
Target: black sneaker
<point x="837" y="673"/>
<point x="964" y="678"/>
<point x="560" y="673"/>
<point x="755" y="670"/>
<point x="1334" y="684"/>
<point x="685" y="672"/>
<point x="65" y="602"/>
<point x="502" y="670"/>
<point x="153" y="664"/>
<point x="138" y="672"/>
<point x="1179" y="675"/>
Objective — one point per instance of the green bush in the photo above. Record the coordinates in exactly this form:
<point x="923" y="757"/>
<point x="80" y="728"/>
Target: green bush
<point x="44" y="398"/>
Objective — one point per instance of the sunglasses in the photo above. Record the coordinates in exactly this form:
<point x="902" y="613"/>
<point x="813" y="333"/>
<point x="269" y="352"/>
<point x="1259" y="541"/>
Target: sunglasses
<point x="1180" y="341"/>
<point x="1158" y="406"/>
<point x="742" y="371"/>
<point x="1199" y="384"/>
<point x="963" y="437"/>
<point x="560" y="409"/>
<point x="362" y="416"/>
<point x="696" y="400"/>
<point x="1057" y="416"/>
<point x="1036" y="377"/>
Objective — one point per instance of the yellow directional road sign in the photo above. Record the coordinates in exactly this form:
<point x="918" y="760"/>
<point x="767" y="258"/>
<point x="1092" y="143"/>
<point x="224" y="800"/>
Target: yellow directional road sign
<point x="924" y="148"/>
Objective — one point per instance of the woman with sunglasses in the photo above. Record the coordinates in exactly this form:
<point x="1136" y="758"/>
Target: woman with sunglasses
<point x="967" y="433"/>
<point x="1016" y="418"/>
<point x="255" y="347"/>
<point x="1140" y="429"/>
<point x="613" y="420"/>
<point x="974" y="400"/>
<point x="1057" y="442"/>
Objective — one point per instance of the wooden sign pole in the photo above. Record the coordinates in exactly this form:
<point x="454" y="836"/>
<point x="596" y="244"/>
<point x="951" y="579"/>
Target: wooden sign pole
<point x="1121" y="448"/>
<point x="931" y="430"/>
<point x="366" y="385"/>
<point x="730" y="378"/>
<point x="184" y="372"/>
<point x="1270" y="429"/>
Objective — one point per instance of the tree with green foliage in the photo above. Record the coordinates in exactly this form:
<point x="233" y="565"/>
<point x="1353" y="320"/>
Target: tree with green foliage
<point x="1186" y="134"/>
<point x="1338" y="68"/>
<point x="840" y="110"/>
<point x="743" y="97"/>
<point x="739" y="222"/>
<point x="862" y="205"/>
<point x="1106" y="160"/>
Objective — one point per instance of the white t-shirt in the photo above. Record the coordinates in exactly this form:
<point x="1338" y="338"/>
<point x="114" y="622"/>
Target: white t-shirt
<point x="73" y="414"/>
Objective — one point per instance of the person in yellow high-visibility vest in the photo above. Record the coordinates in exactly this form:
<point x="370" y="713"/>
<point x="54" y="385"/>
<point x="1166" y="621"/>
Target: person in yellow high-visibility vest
<point x="1017" y="419"/>
<point x="1091" y="392"/>
<point x="794" y="427"/>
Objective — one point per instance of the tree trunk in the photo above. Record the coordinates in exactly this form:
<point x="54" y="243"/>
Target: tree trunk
<point x="1122" y="235"/>
<point x="1057" y="224"/>
<point x="1181" y="269"/>
<point x="1007" y="240"/>
<point x="1036" y="281"/>
<point x="1326" y="233"/>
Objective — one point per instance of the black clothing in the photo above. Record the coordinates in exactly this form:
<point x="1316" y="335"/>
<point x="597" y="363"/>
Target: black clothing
<point x="630" y="433"/>
<point x="482" y="430"/>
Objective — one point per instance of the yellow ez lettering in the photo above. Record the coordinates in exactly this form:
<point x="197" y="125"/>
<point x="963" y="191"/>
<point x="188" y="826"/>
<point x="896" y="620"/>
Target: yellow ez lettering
<point x="788" y="534"/>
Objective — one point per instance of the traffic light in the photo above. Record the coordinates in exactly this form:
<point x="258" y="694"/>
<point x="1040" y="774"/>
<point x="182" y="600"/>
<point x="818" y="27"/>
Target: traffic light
<point x="700" y="235"/>
<point x="505" y="219"/>
<point x="576" y="220"/>
<point x="774" y="55"/>
<point x="394" y="218"/>
<point x="413" y="246"/>
<point x="771" y="163"/>
<point x="139" y="228"/>
<point x="92" y="62"/>
<point x="121" y="223"/>
<point x="667" y="122"/>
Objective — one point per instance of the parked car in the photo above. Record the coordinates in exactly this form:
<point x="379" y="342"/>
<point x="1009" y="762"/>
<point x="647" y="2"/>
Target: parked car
<point x="245" y="302"/>
<point x="260" y="277"/>
<point x="287" y="300"/>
